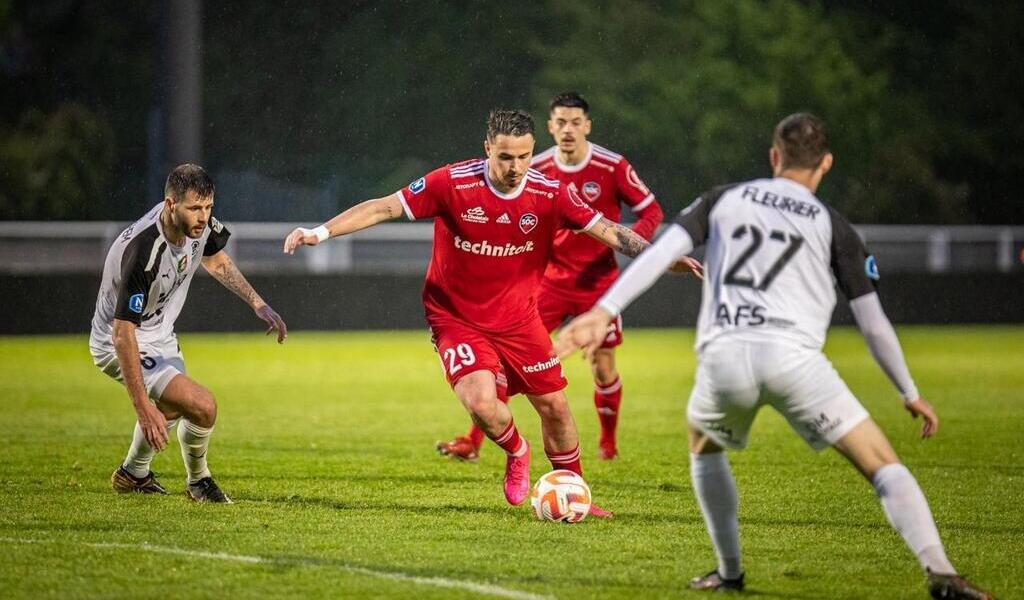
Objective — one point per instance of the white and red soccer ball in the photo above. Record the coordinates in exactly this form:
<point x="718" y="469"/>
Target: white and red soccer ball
<point x="561" y="496"/>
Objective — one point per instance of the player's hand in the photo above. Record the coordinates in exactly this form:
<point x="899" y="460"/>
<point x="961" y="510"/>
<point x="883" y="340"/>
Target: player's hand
<point x="274" y="322"/>
<point x="687" y="264"/>
<point x="154" y="426"/>
<point x="921" y="408"/>
<point x="586" y="331"/>
<point x="300" y="236"/>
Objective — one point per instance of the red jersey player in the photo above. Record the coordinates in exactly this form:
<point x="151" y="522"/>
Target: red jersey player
<point x="495" y="221"/>
<point x="581" y="269"/>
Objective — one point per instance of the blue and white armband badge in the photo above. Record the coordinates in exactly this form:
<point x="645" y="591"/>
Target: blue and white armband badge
<point x="418" y="186"/>
<point x="871" y="267"/>
<point x="135" y="303"/>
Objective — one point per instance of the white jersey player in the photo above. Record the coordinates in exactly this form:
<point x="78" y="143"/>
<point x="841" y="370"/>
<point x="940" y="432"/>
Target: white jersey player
<point x="774" y="254"/>
<point x="146" y="278"/>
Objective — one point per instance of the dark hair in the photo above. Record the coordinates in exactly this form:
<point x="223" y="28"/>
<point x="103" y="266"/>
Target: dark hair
<point x="514" y="122"/>
<point x="802" y="140"/>
<point x="569" y="100"/>
<point x="185" y="178"/>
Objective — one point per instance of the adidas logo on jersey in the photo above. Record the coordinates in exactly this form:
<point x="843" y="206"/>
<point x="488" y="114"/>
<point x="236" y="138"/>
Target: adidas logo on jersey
<point x="503" y="219"/>
<point x="475" y="215"/>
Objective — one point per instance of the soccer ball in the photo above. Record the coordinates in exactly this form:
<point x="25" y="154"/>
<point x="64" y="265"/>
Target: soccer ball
<point x="561" y="496"/>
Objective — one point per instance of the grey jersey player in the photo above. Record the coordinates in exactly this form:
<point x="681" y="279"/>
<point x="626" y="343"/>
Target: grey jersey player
<point x="774" y="255"/>
<point x="145" y="281"/>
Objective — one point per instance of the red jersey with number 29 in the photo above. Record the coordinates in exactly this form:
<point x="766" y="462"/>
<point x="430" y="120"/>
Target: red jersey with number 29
<point x="490" y="248"/>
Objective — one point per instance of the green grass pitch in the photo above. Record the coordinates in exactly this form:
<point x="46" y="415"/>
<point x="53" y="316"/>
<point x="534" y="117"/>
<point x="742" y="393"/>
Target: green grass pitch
<point x="326" y="444"/>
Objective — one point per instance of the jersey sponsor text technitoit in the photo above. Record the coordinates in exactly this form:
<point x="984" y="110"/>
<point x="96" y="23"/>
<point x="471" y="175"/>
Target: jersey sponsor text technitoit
<point x="485" y="248"/>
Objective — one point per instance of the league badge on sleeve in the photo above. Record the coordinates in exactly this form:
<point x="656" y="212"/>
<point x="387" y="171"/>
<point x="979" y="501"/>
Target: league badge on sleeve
<point x="871" y="267"/>
<point x="135" y="303"/>
<point x="418" y="186"/>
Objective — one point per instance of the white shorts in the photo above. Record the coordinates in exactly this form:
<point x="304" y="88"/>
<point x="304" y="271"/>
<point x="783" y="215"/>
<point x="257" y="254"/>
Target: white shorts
<point x="735" y="378"/>
<point x="161" y="362"/>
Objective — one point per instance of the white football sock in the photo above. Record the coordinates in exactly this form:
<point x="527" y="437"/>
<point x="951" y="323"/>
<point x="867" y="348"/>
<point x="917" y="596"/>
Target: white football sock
<point x="195" y="441"/>
<point x="908" y="511"/>
<point x="140" y="454"/>
<point x="716" y="493"/>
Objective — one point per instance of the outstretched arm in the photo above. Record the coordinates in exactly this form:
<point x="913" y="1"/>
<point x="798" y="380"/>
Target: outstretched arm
<point x="622" y="239"/>
<point x="223" y="269"/>
<point x="362" y="215"/>
<point x="589" y="329"/>
<point x="618" y="237"/>
<point x="885" y="347"/>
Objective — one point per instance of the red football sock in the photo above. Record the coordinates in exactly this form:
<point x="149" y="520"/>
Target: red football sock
<point x="510" y="440"/>
<point x="476" y="435"/>
<point x="607" y="399"/>
<point x="566" y="460"/>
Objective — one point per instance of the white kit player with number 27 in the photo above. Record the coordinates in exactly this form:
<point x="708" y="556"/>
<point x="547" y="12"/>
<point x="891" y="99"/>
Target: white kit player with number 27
<point x="774" y="256"/>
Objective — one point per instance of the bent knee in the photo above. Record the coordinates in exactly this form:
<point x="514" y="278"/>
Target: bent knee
<point x="554" y="407"/>
<point x="204" y="408"/>
<point x="480" y="401"/>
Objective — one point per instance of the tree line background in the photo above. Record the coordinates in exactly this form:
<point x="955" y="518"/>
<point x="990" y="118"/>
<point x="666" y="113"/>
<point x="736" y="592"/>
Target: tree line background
<point x="923" y="99"/>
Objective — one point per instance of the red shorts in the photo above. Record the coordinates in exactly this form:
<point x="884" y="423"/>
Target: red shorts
<point x="555" y="307"/>
<point x="523" y="359"/>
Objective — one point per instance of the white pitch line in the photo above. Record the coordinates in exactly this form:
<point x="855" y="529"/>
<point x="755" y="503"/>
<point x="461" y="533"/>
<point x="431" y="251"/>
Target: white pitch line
<point x="443" y="582"/>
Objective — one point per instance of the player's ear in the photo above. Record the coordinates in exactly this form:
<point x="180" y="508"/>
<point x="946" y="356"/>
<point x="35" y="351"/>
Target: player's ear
<point x="487" y="147"/>
<point x="826" y="163"/>
<point x="586" y="126"/>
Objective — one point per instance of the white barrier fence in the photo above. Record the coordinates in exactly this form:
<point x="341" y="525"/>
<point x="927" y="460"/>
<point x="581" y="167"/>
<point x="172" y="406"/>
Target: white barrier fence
<point x="31" y="247"/>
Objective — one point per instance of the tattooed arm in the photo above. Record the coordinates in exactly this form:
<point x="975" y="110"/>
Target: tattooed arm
<point x="362" y="215"/>
<point x="223" y="269"/>
<point x="618" y="237"/>
<point x="625" y="240"/>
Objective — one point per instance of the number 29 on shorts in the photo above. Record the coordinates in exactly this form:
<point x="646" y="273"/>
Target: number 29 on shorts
<point x="454" y="359"/>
